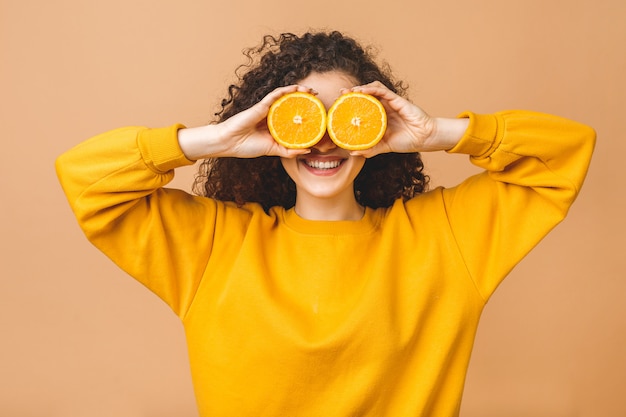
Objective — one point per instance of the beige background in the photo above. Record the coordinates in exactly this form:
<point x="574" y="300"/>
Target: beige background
<point x="79" y="338"/>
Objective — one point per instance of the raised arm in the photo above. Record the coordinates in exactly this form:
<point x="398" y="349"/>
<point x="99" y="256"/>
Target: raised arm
<point x="535" y="166"/>
<point x="114" y="184"/>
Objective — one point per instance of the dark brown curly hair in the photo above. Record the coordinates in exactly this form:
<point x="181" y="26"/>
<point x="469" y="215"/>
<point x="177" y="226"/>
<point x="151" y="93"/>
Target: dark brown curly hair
<point x="285" y="60"/>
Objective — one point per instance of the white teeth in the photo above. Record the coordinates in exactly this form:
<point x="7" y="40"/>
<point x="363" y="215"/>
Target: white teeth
<point x="323" y="164"/>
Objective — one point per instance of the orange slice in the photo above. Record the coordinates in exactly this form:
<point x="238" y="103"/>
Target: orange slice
<point x="297" y="120"/>
<point x="356" y="121"/>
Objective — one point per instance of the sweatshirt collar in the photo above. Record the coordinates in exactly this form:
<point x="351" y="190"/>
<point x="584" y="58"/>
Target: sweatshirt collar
<point x="366" y="224"/>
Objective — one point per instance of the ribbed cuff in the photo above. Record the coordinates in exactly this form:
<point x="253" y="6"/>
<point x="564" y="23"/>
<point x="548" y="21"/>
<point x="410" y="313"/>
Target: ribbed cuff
<point x="482" y="136"/>
<point x="160" y="149"/>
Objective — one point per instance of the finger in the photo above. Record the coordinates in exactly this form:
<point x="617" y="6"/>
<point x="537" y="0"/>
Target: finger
<point x="267" y="101"/>
<point x="260" y="109"/>
<point x="281" y="91"/>
<point x="289" y="153"/>
<point x="367" y="153"/>
<point x="377" y="89"/>
<point x="373" y="86"/>
<point x="277" y="93"/>
<point x="292" y="153"/>
<point x="371" y="152"/>
<point x="307" y="89"/>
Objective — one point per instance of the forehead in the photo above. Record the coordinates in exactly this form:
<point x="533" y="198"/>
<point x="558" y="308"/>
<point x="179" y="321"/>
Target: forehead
<point x="328" y="84"/>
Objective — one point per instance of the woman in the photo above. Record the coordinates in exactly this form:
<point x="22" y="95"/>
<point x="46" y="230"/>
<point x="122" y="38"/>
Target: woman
<point x="336" y="289"/>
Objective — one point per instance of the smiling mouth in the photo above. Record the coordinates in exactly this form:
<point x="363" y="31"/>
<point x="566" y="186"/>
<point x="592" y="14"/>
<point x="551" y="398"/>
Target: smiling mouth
<point x="322" y="165"/>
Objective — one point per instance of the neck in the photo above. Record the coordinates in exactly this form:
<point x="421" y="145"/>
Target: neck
<point x="332" y="209"/>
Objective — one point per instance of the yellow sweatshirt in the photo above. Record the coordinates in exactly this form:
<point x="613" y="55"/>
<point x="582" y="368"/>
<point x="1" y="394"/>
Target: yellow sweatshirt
<point x="289" y="317"/>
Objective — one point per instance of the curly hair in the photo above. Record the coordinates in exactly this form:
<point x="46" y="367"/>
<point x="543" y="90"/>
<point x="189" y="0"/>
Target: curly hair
<point x="285" y="60"/>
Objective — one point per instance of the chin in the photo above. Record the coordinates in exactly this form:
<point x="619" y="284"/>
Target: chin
<point x="324" y="176"/>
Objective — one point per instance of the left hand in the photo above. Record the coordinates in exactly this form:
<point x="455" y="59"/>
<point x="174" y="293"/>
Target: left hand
<point x="409" y="128"/>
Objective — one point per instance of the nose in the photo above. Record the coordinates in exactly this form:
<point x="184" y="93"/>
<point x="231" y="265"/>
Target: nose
<point x="325" y="144"/>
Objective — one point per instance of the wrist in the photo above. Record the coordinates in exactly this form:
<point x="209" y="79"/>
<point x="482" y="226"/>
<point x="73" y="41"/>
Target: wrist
<point x="200" y="142"/>
<point x="447" y="132"/>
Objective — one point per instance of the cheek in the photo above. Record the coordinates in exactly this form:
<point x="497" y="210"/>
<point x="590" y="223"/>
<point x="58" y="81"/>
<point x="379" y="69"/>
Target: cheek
<point x="289" y="165"/>
<point x="358" y="166"/>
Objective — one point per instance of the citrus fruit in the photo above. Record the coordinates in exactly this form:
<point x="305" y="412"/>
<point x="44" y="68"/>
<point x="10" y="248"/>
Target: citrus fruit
<point x="356" y="121"/>
<point x="297" y="120"/>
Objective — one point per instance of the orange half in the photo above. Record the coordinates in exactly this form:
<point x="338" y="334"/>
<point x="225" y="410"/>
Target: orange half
<point x="297" y="120"/>
<point x="356" y="121"/>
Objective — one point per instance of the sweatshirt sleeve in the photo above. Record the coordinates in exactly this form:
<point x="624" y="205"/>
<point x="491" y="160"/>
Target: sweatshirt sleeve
<point x="534" y="165"/>
<point x="114" y="183"/>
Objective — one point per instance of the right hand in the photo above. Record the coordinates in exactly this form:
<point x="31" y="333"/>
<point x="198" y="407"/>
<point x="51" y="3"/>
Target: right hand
<point x="244" y="135"/>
